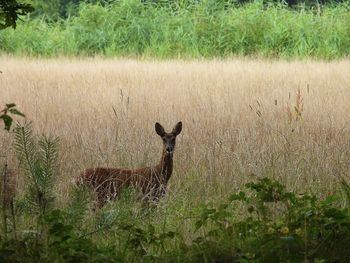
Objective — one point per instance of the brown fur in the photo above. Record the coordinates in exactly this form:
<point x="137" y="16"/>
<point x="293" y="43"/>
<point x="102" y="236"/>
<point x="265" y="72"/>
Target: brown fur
<point x="107" y="183"/>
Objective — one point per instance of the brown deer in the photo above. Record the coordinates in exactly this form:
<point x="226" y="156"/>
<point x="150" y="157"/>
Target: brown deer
<point x="107" y="183"/>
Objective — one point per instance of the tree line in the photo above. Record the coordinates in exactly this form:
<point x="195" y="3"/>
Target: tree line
<point x="62" y="9"/>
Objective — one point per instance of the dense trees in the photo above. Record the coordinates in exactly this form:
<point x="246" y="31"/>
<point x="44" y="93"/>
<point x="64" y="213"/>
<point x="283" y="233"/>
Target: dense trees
<point x="61" y="9"/>
<point x="56" y="9"/>
<point x="10" y="10"/>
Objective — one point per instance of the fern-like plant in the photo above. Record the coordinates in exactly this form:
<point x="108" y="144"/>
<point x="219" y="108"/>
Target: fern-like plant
<point x="78" y="206"/>
<point x="38" y="158"/>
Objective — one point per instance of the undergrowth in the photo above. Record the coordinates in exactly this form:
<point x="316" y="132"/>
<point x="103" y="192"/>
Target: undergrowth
<point x="193" y="30"/>
<point x="262" y="223"/>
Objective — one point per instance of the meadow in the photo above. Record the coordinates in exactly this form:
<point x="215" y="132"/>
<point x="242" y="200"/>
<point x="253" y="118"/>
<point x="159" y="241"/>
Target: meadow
<point x="243" y="120"/>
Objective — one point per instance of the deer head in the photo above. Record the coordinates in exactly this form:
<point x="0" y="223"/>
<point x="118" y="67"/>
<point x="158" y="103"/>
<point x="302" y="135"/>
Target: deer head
<point x="168" y="138"/>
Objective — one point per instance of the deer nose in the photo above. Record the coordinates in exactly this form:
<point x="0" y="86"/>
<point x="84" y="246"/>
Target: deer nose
<point x="169" y="149"/>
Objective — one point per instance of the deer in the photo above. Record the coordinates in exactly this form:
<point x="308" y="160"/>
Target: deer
<point x="151" y="182"/>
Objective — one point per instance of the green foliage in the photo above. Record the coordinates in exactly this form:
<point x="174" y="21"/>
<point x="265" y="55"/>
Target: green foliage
<point x="77" y="207"/>
<point x="6" y="117"/>
<point x="176" y="29"/>
<point x="266" y="223"/>
<point x="280" y="226"/>
<point x="65" y="245"/>
<point x="55" y="10"/>
<point x="38" y="157"/>
<point x="61" y="245"/>
<point x="346" y="191"/>
<point x="10" y="10"/>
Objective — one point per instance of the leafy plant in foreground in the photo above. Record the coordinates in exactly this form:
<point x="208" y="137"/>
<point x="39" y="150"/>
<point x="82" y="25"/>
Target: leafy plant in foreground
<point x="6" y="117"/>
<point x="38" y="157"/>
<point x="278" y="226"/>
<point x="346" y="190"/>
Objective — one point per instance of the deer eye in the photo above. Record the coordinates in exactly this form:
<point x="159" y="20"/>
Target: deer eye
<point x="173" y="140"/>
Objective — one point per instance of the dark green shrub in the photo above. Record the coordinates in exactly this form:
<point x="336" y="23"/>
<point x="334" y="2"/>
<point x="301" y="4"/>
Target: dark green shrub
<point x="279" y="226"/>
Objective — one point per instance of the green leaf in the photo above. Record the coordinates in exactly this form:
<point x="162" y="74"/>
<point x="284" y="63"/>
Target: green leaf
<point x="213" y="233"/>
<point x="171" y="234"/>
<point x="16" y="112"/>
<point x="198" y="225"/>
<point x="251" y="209"/>
<point x="151" y="229"/>
<point x="241" y="196"/>
<point x="330" y="200"/>
<point x="7" y="121"/>
<point x="10" y="105"/>
<point x="335" y="213"/>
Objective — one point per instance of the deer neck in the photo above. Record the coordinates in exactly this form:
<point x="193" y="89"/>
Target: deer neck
<point x="166" y="166"/>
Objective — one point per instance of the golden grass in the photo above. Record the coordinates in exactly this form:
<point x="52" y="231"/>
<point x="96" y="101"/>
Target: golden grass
<point x="239" y="118"/>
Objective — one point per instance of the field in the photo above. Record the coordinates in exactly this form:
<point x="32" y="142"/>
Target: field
<point x="243" y="119"/>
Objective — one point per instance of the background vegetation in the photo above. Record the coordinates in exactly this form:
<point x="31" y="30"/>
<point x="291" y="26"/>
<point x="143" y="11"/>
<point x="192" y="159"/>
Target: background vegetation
<point x="186" y="29"/>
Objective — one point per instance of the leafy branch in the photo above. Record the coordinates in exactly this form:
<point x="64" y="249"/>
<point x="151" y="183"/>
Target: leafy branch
<point x="10" y="10"/>
<point x="6" y="113"/>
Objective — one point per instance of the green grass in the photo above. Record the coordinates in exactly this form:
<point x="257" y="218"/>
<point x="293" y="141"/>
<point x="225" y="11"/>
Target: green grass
<point x="207" y="29"/>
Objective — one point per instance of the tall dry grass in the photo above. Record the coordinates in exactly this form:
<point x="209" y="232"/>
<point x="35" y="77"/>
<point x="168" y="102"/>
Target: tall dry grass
<point x="241" y="119"/>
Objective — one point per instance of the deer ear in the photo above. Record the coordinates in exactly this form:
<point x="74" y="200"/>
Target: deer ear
<point x="159" y="129"/>
<point x="177" y="129"/>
